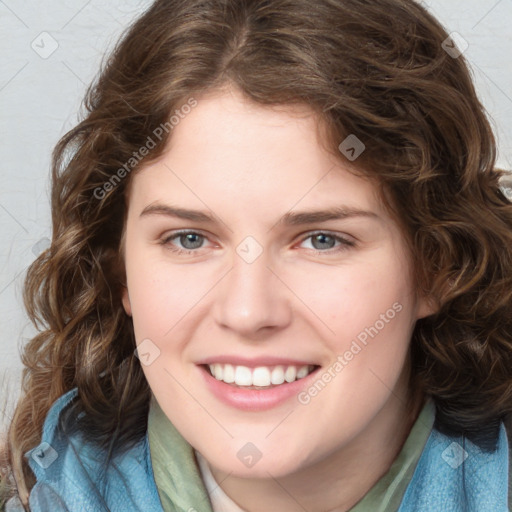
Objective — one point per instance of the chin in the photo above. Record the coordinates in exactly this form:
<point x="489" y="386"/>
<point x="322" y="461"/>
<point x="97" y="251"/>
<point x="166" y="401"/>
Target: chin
<point x="276" y="464"/>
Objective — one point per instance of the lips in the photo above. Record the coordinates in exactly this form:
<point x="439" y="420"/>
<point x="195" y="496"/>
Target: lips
<point x="254" y="398"/>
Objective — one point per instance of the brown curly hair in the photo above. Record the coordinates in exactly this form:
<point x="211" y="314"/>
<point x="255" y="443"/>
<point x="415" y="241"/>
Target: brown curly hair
<point x="374" y="69"/>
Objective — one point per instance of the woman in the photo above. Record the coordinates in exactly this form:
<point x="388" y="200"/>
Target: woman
<point x="280" y="275"/>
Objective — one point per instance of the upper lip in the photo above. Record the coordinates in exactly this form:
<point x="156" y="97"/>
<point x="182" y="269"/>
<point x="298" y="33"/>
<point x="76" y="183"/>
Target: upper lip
<point x="236" y="360"/>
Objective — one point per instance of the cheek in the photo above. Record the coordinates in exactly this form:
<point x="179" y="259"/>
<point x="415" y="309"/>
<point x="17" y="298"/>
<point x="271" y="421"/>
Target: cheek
<point x="351" y="298"/>
<point x="162" y="294"/>
<point x="157" y="301"/>
<point x="370" y="315"/>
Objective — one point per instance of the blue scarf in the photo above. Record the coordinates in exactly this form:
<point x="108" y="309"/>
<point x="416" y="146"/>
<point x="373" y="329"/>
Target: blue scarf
<point x="452" y="475"/>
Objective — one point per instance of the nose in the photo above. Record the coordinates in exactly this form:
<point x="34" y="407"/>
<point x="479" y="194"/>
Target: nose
<point x="252" y="300"/>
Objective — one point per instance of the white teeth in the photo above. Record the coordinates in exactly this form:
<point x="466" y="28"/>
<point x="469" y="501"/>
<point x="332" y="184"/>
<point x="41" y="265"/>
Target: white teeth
<point x="218" y="371"/>
<point x="302" y="372"/>
<point x="243" y="376"/>
<point x="290" y="374"/>
<point x="277" y="376"/>
<point x="262" y="376"/>
<point x="229" y="373"/>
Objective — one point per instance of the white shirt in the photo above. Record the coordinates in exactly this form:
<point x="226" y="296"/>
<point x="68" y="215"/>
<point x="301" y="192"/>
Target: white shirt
<point x="221" y="502"/>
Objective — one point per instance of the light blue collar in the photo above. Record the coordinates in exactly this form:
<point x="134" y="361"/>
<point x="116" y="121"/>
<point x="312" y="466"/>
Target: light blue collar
<point x="71" y="475"/>
<point x="455" y="475"/>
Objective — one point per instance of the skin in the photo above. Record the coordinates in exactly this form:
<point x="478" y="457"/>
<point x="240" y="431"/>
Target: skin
<point x="248" y="165"/>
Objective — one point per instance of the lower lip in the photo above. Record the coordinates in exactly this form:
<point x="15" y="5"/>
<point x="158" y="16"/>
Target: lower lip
<point x="255" y="399"/>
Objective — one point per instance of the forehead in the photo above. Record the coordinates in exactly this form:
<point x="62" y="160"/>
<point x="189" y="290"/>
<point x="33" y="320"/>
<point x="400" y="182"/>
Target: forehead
<point x="230" y="147"/>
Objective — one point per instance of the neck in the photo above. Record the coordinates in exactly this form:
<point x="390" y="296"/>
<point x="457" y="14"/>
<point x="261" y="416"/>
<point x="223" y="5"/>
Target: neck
<point x="339" y="481"/>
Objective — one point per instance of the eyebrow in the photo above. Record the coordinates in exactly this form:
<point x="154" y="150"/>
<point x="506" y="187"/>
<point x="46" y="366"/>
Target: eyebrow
<point x="288" y="219"/>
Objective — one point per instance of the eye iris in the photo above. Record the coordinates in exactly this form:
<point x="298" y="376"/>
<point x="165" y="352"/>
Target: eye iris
<point x="193" y="238"/>
<point x="323" y="239"/>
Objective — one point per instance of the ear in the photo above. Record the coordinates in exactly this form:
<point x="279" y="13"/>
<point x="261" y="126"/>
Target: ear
<point x="126" y="301"/>
<point x="426" y="307"/>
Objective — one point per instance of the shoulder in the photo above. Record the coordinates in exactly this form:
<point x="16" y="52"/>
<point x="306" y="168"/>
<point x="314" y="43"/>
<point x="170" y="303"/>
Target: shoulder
<point x="72" y="473"/>
<point x="455" y="474"/>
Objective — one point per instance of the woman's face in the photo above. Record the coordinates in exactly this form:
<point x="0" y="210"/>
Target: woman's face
<point x="250" y="248"/>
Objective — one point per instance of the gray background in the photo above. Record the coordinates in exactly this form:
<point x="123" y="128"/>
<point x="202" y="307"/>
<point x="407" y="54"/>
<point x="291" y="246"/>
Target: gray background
<point x="51" y="50"/>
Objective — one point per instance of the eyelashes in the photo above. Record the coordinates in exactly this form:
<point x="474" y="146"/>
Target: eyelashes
<point x="344" y="243"/>
<point x="182" y="235"/>
<point x="195" y="239"/>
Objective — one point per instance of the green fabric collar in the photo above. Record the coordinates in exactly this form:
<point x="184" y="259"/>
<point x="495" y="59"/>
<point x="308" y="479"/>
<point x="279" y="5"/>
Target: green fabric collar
<point x="387" y="493"/>
<point x="181" y="488"/>
<point x="177" y="476"/>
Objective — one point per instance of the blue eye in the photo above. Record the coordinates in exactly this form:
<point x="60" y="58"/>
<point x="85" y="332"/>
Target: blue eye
<point x="321" y="242"/>
<point x="190" y="240"/>
<point x="326" y="242"/>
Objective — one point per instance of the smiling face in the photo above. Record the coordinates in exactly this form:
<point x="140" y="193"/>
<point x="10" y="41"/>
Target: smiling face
<point x="230" y="263"/>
